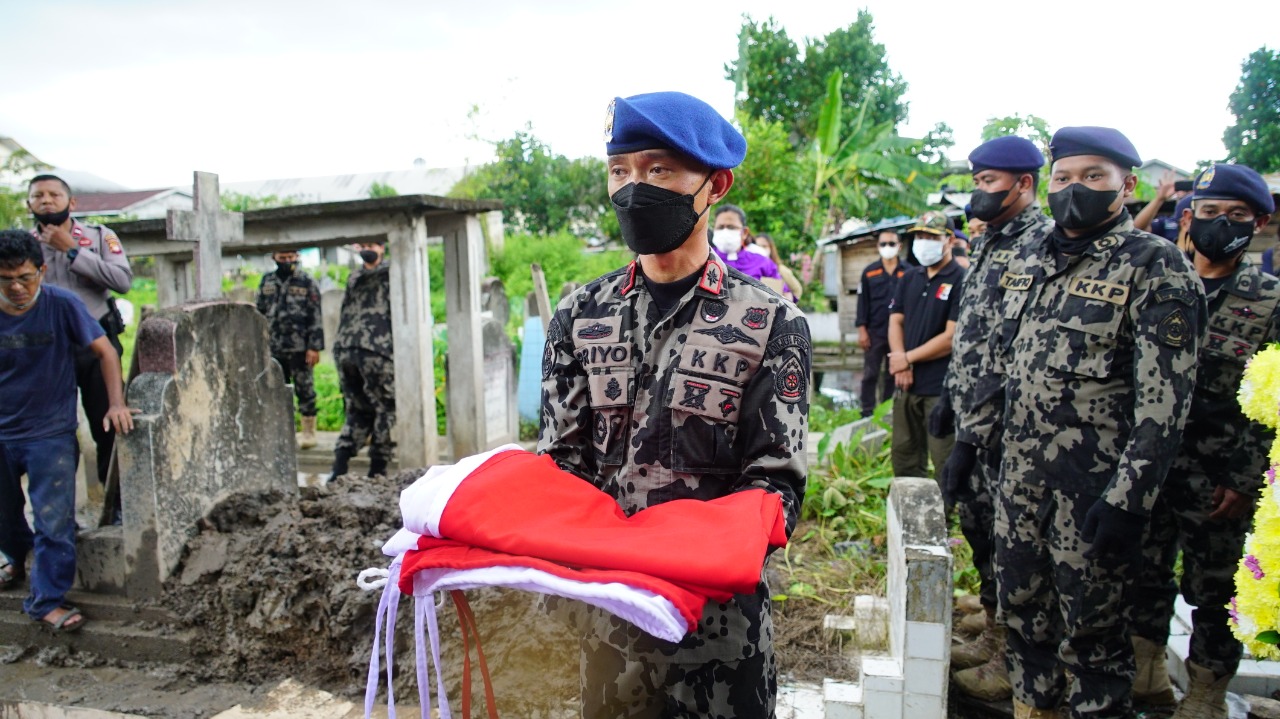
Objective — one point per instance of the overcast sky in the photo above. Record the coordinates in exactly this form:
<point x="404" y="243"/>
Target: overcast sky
<point x="143" y="92"/>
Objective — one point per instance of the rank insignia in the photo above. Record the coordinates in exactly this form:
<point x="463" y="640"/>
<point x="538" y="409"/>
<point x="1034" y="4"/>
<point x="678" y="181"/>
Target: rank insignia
<point x="713" y="310"/>
<point x="1216" y="341"/>
<point x="757" y="318"/>
<point x="113" y="244"/>
<point x="601" y="432"/>
<point x="790" y="382"/>
<point x="1241" y="348"/>
<point x="613" y="390"/>
<point x="712" y="278"/>
<point x="728" y="407"/>
<point x="728" y="334"/>
<point x="694" y="394"/>
<point x="1245" y="312"/>
<point x="85" y="241"/>
<point x="1174" y="329"/>
<point x="596" y="331"/>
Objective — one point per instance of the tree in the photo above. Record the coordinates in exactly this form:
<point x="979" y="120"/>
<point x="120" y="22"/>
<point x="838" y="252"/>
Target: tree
<point x="1032" y="127"/>
<point x="1254" y="139"/>
<point x="378" y="189"/>
<point x="771" y="184"/>
<point x="13" y="202"/>
<point x="239" y="202"/>
<point x="776" y="82"/>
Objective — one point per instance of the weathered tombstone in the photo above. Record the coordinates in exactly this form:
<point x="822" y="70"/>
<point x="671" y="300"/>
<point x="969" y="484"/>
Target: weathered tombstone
<point x="217" y="419"/>
<point x="493" y="300"/>
<point x="501" y="424"/>
<point x="211" y="228"/>
<point x="529" y="392"/>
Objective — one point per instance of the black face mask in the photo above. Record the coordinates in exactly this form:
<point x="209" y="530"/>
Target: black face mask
<point x="653" y="219"/>
<point x="369" y="256"/>
<point x="284" y="269"/>
<point x="54" y="219"/>
<point x="1220" y="238"/>
<point x="1077" y="207"/>
<point x="987" y="206"/>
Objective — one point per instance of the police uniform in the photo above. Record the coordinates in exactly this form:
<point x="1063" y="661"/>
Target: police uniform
<point x="1100" y="352"/>
<point x="876" y="292"/>
<point x="1220" y="448"/>
<point x="706" y="399"/>
<point x="366" y="366"/>
<point x="291" y="305"/>
<point x="93" y="268"/>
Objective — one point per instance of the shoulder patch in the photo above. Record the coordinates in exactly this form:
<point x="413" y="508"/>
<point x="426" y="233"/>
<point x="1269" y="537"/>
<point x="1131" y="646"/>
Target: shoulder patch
<point x="1174" y="330"/>
<point x="714" y="310"/>
<point x="1176" y="294"/>
<point x="791" y="384"/>
<point x="757" y="318"/>
<point x="787" y="341"/>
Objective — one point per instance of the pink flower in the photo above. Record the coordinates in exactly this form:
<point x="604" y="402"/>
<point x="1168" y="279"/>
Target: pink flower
<point x="1234" y="612"/>
<point x="1251" y="563"/>
<point x="1271" y="474"/>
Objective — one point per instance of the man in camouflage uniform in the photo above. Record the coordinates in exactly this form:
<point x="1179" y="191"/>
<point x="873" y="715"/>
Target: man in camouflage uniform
<point x="90" y="261"/>
<point x="290" y="300"/>
<point x="1099" y="332"/>
<point x="366" y="364"/>
<point x="1006" y="172"/>
<point x="677" y="378"/>
<point x="1206" y="505"/>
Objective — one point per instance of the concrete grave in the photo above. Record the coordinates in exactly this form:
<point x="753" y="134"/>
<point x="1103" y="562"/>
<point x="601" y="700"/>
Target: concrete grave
<point x="330" y="313"/>
<point x="501" y="422"/>
<point x="216" y="420"/>
<point x="493" y="300"/>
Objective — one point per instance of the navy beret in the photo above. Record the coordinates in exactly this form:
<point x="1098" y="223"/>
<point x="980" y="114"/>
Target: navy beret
<point x="673" y="121"/>
<point x="1235" y="182"/>
<point x="1009" y="153"/>
<point x="1103" y="141"/>
<point x="1183" y="204"/>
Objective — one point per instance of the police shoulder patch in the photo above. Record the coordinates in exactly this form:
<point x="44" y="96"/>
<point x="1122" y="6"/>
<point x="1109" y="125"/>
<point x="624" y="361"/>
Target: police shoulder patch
<point x="1174" y="330"/>
<point x="791" y="383"/>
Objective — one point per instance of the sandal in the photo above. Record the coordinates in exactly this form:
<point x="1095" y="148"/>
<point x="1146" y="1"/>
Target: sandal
<point x="10" y="573"/>
<point x="70" y="621"/>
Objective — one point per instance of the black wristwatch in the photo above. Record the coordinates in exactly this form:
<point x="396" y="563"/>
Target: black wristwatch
<point x="71" y="254"/>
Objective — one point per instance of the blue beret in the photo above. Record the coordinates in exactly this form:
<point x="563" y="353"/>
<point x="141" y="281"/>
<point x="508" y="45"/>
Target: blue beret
<point x="1009" y="153"/>
<point x="1235" y="182"/>
<point x="673" y="121"/>
<point x="962" y="235"/>
<point x="1183" y="204"/>
<point x="1103" y="141"/>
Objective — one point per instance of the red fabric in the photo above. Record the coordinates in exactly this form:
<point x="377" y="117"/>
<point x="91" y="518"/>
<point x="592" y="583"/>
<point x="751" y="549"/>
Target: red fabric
<point x="522" y="504"/>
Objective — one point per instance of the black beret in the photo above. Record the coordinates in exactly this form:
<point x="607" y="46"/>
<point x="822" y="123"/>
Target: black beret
<point x="1009" y="153"/>
<point x="673" y="121"/>
<point x="1103" y="141"/>
<point x="1235" y="182"/>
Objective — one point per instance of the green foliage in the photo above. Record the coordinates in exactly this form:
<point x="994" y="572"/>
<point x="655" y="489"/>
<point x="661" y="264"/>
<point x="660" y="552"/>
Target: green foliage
<point x="541" y="192"/>
<point x="562" y="257"/>
<point x="824" y="416"/>
<point x="239" y="202"/>
<point x="13" y="203"/>
<point x="1254" y="139"/>
<point x="378" y="189"/>
<point x="1032" y="127"/>
<point x="330" y="411"/>
<point x="777" y="82"/>
<point x="770" y="185"/>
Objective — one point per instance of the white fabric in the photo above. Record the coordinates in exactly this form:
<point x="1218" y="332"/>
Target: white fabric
<point x="422" y="503"/>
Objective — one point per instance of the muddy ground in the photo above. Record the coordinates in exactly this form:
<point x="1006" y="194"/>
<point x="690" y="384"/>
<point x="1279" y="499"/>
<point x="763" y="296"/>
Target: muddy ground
<point x="270" y="584"/>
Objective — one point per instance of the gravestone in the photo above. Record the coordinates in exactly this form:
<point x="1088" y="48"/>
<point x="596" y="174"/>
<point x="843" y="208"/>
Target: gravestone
<point x="216" y="419"/>
<point x="493" y="300"/>
<point x="529" y="394"/>
<point x="501" y="423"/>
<point x="330" y="313"/>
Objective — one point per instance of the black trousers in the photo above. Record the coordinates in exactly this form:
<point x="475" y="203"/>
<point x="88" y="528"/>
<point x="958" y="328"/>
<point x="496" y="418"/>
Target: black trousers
<point x="96" y="401"/>
<point x="874" y="372"/>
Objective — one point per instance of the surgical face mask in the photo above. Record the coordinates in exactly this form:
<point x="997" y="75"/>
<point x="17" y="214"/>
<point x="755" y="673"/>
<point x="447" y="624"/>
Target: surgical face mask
<point x="369" y="256"/>
<point x="1078" y="207"/>
<point x="753" y="247"/>
<point x="655" y="220"/>
<point x="1220" y="239"/>
<point x="927" y="252"/>
<point x="888" y="253"/>
<point x="987" y="206"/>
<point x="34" y="296"/>
<point x="729" y="242"/>
<point x="54" y="219"/>
<point x="284" y="269"/>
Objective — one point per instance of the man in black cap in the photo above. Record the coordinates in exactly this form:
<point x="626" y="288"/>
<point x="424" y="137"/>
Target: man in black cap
<point x="1099" y="330"/>
<point x="1006" y="172"/>
<point x="1205" y="508"/>
<point x="677" y="378"/>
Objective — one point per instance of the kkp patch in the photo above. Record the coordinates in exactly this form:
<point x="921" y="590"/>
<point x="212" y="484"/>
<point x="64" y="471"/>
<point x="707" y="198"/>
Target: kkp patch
<point x="791" y="383"/>
<point x="714" y="310"/>
<point x="1174" y="330"/>
<point x="757" y="318"/>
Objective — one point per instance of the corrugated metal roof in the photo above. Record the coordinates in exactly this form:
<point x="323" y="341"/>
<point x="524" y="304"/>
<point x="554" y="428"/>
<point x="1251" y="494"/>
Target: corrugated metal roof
<point x="337" y="188"/>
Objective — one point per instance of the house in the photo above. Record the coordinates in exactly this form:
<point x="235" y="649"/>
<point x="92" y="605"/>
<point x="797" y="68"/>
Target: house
<point x="1153" y="171"/>
<point x="132" y="205"/>
<point x="420" y="180"/>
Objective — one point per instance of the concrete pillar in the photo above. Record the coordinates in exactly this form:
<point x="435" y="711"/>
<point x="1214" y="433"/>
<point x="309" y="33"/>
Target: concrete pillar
<point x="411" y="321"/>
<point x="464" y="268"/>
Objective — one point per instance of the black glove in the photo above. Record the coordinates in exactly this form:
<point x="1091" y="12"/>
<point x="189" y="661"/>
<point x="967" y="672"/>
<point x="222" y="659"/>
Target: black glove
<point x="1115" y="534"/>
<point x="942" y="420"/>
<point x="957" y="473"/>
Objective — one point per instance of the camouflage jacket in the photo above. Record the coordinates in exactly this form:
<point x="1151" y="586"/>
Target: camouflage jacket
<point x="1219" y="441"/>
<point x="1100" y="351"/>
<point x="292" y="309"/>
<point x="975" y="376"/>
<point x="365" y="321"/>
<point x="710" y="399"/>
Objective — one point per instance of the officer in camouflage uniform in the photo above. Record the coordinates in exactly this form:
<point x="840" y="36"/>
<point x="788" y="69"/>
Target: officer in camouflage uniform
<point x="1006" y="172"/>
<point x="290" y="300"/>
<point x="366" y="364"/>
<point x="1206" y="505"/>
<point x="677" y="378"/>
<point x="1099" y="332"/>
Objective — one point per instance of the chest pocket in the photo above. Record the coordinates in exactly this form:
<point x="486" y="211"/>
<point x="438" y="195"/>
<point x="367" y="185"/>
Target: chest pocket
<point x="1234" y="333"/>
<point x="1088" y="340"/>
<point x="611" y="385"/>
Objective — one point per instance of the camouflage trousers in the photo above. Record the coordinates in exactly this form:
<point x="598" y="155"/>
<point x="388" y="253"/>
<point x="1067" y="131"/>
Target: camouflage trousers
<point x="723" y="670"/>
<point x="298" y="373"/>
<point x="1064" y="612"/>
<point x="977" y="522"/>
<point x="368" y="383"/>
<point x="1211" y="551"/>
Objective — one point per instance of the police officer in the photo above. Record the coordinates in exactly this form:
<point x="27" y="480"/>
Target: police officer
<point x="366" y="364"/>
<point x="90" y="261"/>
<point x="876" y="289"/>
<point x="1099" y="332"/>
<point x="290" y="300"/>
<point x="1006" y="172"/>
<point x="1206" y="505"/>
<point x="677" y="378"/>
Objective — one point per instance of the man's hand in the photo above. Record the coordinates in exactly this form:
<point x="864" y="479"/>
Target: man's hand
<point x="864" y="339"/>
<point x="120" y="418"/>
<point x="957" y="473"/>
<point x="904" y="379"/>
<point x="1229" y="504"/>
<point x="898" y="362"/>
<point x="1166" y="188"/>
<point x="1115" y="534"/>
<point x="313" y="358"/>
<point x="56" y="237"/>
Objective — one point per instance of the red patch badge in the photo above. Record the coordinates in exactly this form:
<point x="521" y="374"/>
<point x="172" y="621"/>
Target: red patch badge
<point x="944" y="291"/>
<point x="757" y="318"/>
<point x="85" y="241"/>
<point x="114" y="245"/>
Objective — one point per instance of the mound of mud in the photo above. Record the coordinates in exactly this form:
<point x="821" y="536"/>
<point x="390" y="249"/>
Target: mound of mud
<point x="270" y="585"/>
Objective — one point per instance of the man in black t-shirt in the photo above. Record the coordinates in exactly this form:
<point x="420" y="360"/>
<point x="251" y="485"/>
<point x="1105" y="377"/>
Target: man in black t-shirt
<point x="875" y="294"/>
<point x="921" y="322"/>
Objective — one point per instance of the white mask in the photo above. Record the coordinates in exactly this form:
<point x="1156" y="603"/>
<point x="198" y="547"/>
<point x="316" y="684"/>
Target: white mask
<point x="753" y="247"/>
<point x="888" y="253"/>
<point x="928" y="252"/>
<point x="729" y="242"/>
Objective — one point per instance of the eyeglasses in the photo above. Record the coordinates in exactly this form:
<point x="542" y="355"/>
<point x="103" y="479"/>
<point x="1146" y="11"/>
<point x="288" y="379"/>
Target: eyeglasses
<point x="26" y="279"/>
